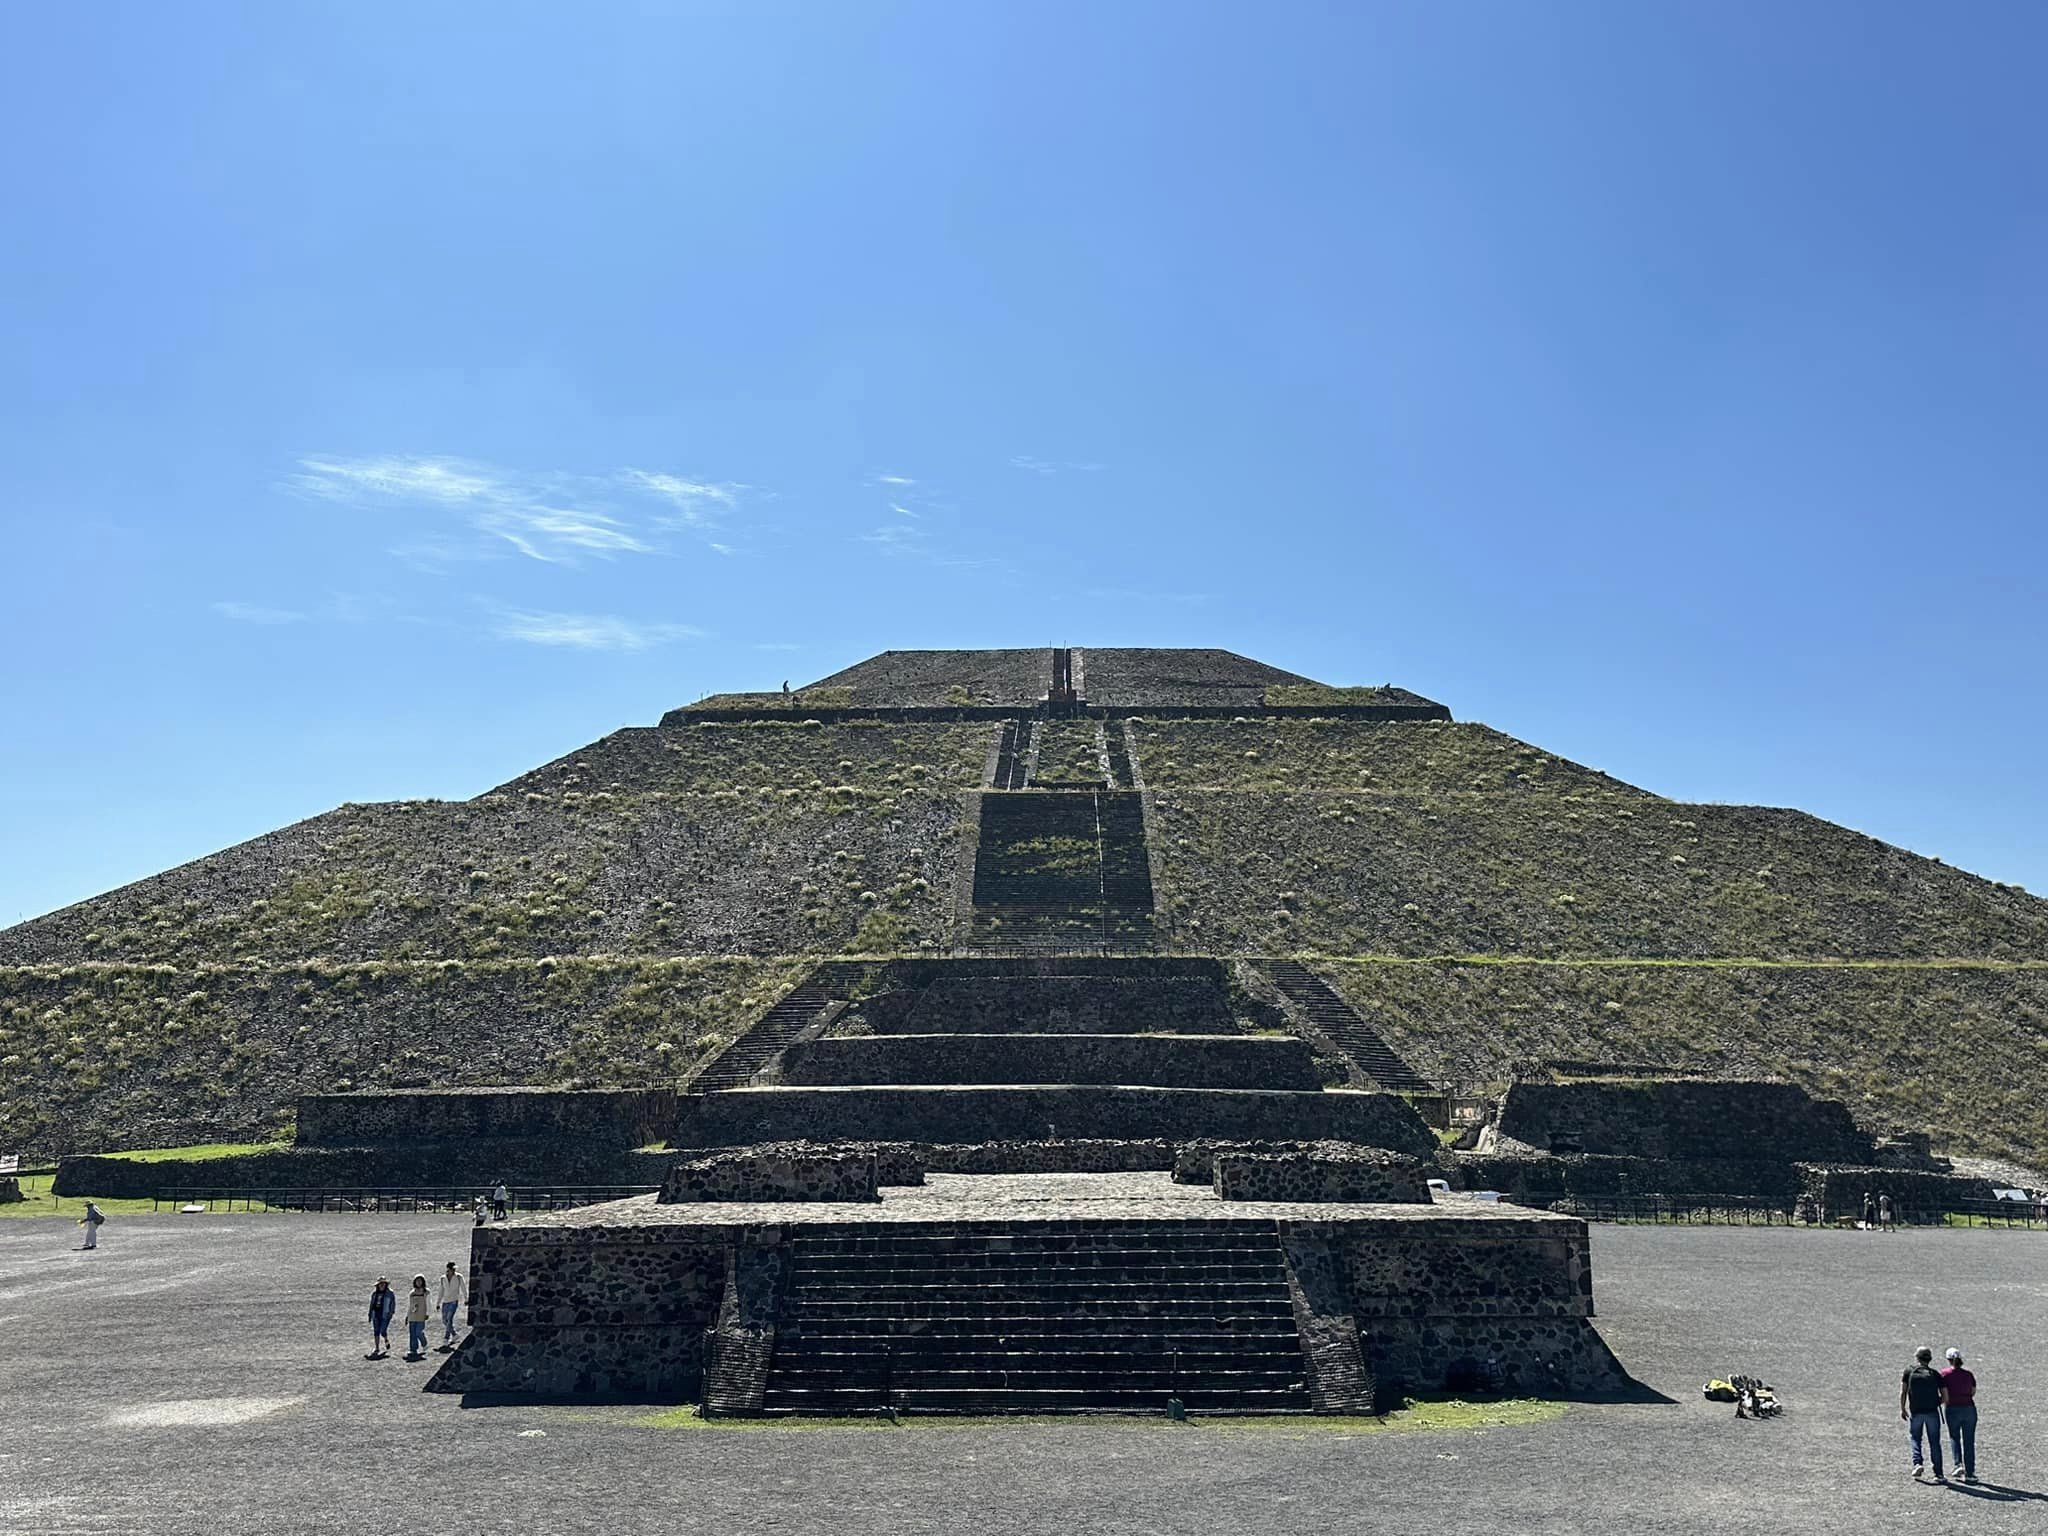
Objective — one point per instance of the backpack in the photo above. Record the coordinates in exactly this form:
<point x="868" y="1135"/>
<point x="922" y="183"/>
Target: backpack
<point x="96" y="1217"/>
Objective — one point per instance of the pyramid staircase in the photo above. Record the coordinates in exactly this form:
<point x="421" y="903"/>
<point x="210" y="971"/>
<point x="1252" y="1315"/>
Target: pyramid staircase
<point x="1034" y="895"/>
<point x="1038" y="1317"/>
<point x="770" y="1034"/>
<point x="1334" y="1018"/>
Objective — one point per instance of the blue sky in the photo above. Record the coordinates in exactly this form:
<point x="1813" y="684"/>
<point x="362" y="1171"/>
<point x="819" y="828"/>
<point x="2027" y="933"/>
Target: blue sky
<point x="400" y="396"/>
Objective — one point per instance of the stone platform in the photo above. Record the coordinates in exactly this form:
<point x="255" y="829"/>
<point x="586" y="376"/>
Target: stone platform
<point x="1031" y="1293"/>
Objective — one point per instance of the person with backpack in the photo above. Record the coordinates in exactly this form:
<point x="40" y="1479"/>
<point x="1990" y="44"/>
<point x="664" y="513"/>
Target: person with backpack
<point x="1960" y="1409"/>
<point x="383" y="1302"/>
<point x="416" y="1315"/>
<point x="93" y="1219"/>
<point x="1921" y="1398"/>
<point x="501" y="1197"/>
<point x="454" y="1291"/>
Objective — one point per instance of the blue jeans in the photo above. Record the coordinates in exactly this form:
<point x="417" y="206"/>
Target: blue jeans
<point x="1928" y="1424"/>
<point x="448" y="1320"/>
<point x="416" y="1335"/>
<point x="1962" y="1437"/>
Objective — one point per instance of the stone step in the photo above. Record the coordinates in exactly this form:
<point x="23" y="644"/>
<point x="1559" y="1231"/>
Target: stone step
<point x="1241" y="1317"/>
<point x="1328" y="1012"/>
<point x="849" y="1270"/>
<point x="1051" y="1293"/>
<point x="978" y="1113"/>
<point x="1223" y="1399"/>
<point x="785" y="1019"/>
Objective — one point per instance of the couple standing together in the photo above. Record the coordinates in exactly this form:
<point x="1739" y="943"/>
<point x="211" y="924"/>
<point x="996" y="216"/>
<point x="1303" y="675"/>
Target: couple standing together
<point x="1925" y="1396"/>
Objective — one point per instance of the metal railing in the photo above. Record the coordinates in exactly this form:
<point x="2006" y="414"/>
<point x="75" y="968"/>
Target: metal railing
<point x="1752" y="1211"/>
<point x="558" y="1197"/>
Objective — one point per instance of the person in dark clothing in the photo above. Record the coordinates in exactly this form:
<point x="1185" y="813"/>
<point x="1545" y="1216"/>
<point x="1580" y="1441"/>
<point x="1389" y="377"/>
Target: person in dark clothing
<point x="1869" y="1212"/>
<point x="1921" y="1396"/>
<point x="383" y="1302"/>
<point x="1960" y="1409"/>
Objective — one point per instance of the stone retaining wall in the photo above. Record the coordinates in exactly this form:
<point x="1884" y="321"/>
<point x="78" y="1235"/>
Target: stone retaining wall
<point x="796" y="1171"/>
<point x="1535" y="1178"/>
<point x="1353" y="1178"/>
<point x="949" y="1115"/>
<point x="1089" y="1005"/>
<point x="1682" y="1120"/>
<point x="1838" y="1192"/>
<point x="592" y="1313"/>
<point x="1050" y="1157"/>
<point x="1167" y="1061"/>
<point x="608" y="1117"/>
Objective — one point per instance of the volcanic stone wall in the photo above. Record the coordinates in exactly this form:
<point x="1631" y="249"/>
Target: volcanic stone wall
<point x="1285" y="1178"/>
<point x="1165" y="1004"/>
<point x="1682" y="1121"/>
<point x="748" y="1115"/>
<point x="1168" y="1061"/>
<point x="617" y="1118"/>
<point x="590" y="1313"/>
<point x="792" y="1172"/>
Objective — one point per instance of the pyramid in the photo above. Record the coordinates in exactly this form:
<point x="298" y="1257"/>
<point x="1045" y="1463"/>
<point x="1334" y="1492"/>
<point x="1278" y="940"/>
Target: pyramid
<point x="1435" y="906"/>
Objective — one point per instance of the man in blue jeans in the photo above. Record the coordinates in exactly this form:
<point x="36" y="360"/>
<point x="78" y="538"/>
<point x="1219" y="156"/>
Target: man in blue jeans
<point x="1961" y="1403"/>
<point x="1921" y="1395"/>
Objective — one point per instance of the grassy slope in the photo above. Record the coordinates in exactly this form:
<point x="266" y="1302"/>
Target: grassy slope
<point x="1958" y="1049"/>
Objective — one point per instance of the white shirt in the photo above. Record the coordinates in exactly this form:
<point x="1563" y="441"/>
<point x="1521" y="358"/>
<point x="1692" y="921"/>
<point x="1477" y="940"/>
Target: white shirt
<point x="454" y="1287"/>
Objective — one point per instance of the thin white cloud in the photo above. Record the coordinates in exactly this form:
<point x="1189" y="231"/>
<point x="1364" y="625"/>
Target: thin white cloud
<point x="557" y="519"/>
<point x="894" y="480"/>
<point x="587" y="631"/>
<point x="257" y="613"/>
<point x="903" y="511"/>
<point x="1039" y="466"/>
<point x="696" y="502"/>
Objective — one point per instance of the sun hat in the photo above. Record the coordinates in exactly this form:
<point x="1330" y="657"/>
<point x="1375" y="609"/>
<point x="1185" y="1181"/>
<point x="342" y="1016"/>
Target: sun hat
<point x="1956" y="1355"/>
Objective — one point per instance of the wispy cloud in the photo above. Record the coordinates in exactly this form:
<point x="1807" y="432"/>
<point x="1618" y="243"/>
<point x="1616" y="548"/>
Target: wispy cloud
<point x="587" y="631"/>
<point x="903" y="511"/>
<point x="696" y="502"/>
<point x="257" y="613"/>
<point x="555" y="518"/>
<point x="1050" y="466"/>
<point x="898" y="480"/>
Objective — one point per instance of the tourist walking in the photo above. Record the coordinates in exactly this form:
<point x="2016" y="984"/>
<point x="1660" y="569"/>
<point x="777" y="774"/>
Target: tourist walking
<point x="416" y="1315"/>
<point x="1960" y="1397"/>
<point x="453" y="1293"/>
<point x="383" y="1302"/>
<point x="501" y="1197"/>
<point x="1869" y="1211"/>
<point x="1921" y="1395"/>
<point x="93" y="1219"/>
<point x="1885" y="1217"/>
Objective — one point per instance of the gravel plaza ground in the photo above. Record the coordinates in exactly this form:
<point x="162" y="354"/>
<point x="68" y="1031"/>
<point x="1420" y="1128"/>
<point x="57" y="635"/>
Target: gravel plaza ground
<point x="205" y="1374"/>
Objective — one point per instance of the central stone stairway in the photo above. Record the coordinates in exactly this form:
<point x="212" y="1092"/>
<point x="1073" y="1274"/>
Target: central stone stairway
<point x="1038" y="1317"/>
<point x="1058" y="871"/>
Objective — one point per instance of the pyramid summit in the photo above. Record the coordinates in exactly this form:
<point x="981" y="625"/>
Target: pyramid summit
<point x="1433" y="906"/>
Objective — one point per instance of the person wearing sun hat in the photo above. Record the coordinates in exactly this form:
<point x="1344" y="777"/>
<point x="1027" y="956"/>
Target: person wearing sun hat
<point x="1961" y="1414"/>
